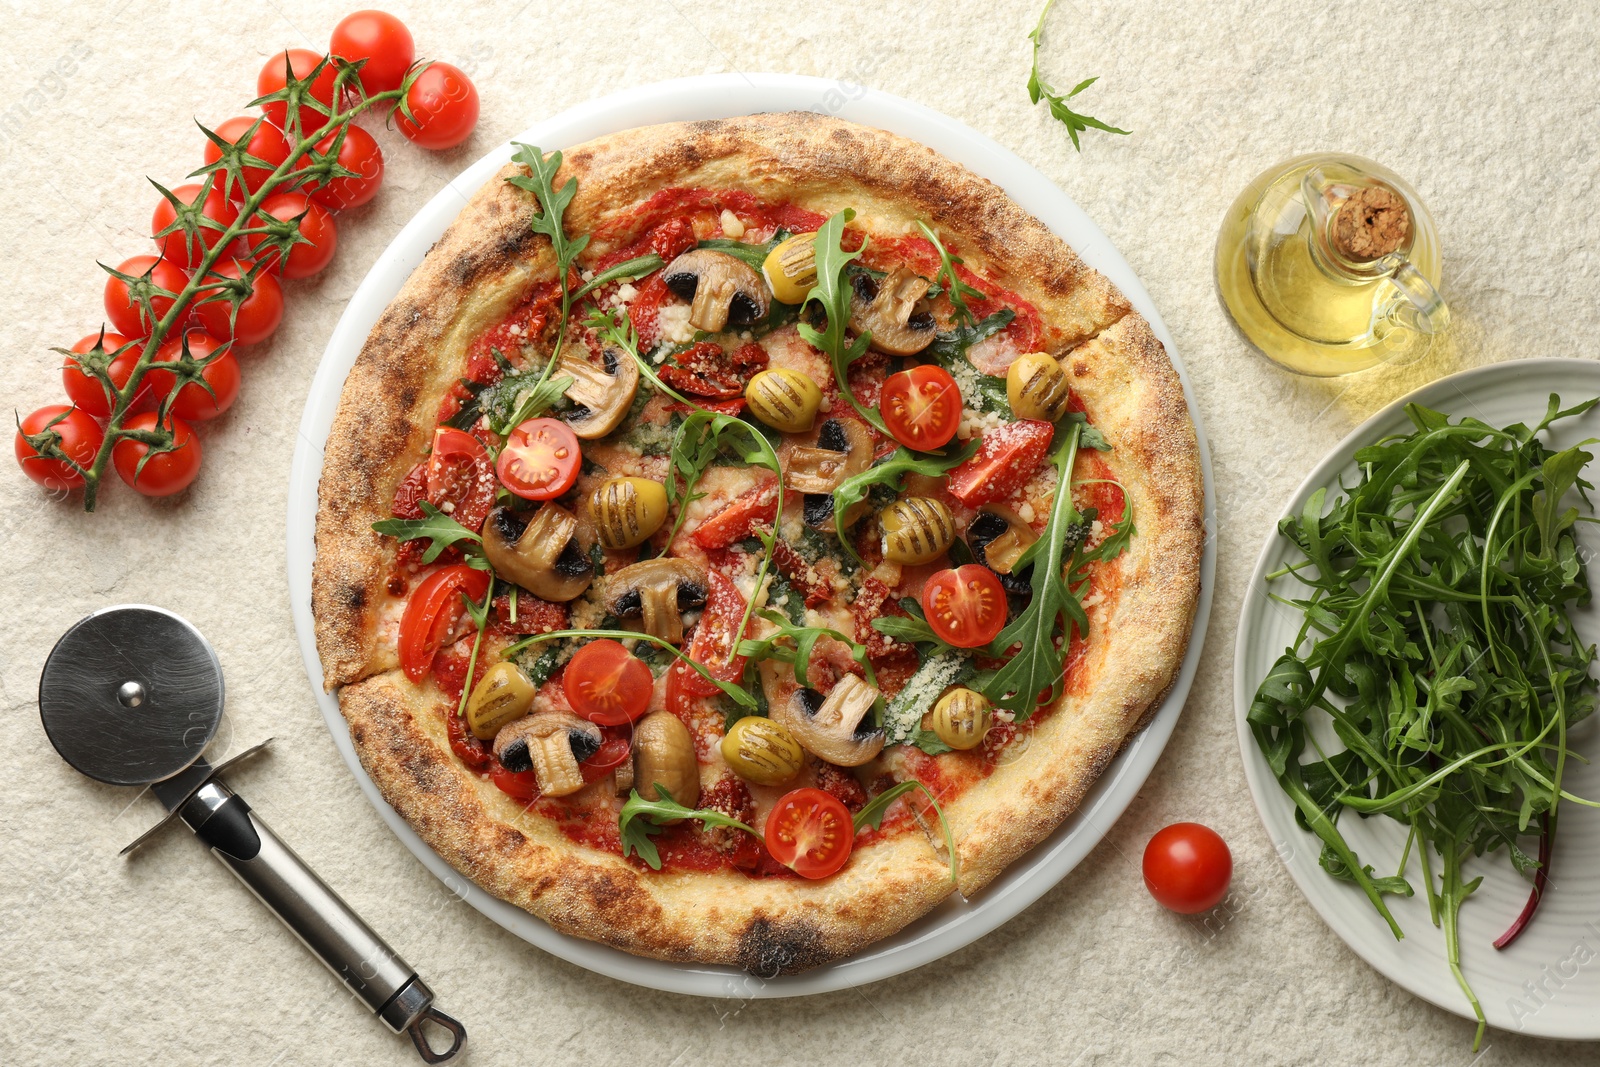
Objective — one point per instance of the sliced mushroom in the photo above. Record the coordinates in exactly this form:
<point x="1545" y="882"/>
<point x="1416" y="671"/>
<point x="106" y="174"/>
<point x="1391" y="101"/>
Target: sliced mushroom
<point x="998" y="536"/>
<point x="663" y="755"/>
<point x="550" y="743"/>
<point x="540" y="554"/>
<point x="603" y="395"/>
<point x="722" y="289"/>
<point x="659" y="591"/>
<point x="839" y="728"/>
<point x="843" y="448"/>
<point x="893" y="311"/>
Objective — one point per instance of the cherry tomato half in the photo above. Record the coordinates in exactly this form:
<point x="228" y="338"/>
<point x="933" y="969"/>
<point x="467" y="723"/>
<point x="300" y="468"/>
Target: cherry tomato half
<point x="445" y="104"/>
<point x="607" y="684"/>
<point x="81" y="438"/>
<point x="966" y="606"/>
<point x="1006" y="458"/>
<point x="1187" y="868"/>
<point x="431" y="614"/>
<point x="299" y="62"/>
<point x="461" y="475"/>
<point x="87" y="394"/>
<point x="193" y="402"/>
<point x="518" y="785"/>
<point x="266" y="144"/>
<point x="380" y="39"/>
<point x="612" y="753"/>
<point x="810" y="832"/>
<point x="178" y="247"/>
<point x="921" y="407"/>
<point x="358" y="152"/>
<point x="316" y="226"/>
<point x="259" y="313"/>
<point x="540" y="460"/>
<point x="712" y="646"/>
<point x="125" y="314"/>
<point x="165" y="473"/>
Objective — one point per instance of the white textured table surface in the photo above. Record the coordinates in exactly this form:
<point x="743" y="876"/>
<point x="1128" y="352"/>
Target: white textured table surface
<point x="1489" y="109"/>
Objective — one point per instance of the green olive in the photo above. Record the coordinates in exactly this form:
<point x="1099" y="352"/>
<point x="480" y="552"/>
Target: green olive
<point x="503" y="695"/>
<point x="762" y="751"/>
<point x="791" y="268"/>
<point x="962" y="718"/>
<point x="628" y="510"/>
<point x="1037" y="387"/>
<point x="784" y="399"/>
<point x="916" y="529"/>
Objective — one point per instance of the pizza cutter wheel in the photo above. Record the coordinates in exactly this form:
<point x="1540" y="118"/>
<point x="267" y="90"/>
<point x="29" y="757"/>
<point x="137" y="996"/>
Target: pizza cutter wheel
<point x="132" y="695"/>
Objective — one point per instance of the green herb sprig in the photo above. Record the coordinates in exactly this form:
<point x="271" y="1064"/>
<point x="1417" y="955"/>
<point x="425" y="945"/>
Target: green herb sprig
<point x="793" y="644"/>
<point x="550" y="221"/>
<point x="641" y="820"/>
<point x="440" y="530"/>
<point x="832" y="295"/>
<point x="948" y="282"/>
<point x="892" y="473"/>
<point x="872" y="815"/>
<point x="1039" y="89"/>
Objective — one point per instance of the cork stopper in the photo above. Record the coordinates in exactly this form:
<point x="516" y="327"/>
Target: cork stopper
<point x="1371" y="223"/>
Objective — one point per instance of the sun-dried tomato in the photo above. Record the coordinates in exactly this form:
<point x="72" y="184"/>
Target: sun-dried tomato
<point x="672" y="238"/>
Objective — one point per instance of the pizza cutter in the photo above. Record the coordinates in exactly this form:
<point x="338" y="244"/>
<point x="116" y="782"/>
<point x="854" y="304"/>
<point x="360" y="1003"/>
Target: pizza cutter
<point x="132" y="695"/>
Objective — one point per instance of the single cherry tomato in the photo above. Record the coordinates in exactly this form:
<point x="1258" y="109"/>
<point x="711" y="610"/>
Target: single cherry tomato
<point x="164" y="473"/>
<point x="476" y="754"/>
<point x="607" y="684"/>
<point x="921" y="407"/>
<point x="540" y="460"/>
<point x="432" y="612"/>
<point x="193" y="402"/>
<point x="316" y="226"/>
<point x="125" y="314"/>
<point x="518" y="785"/>
<point x="380" y="39"/>
<point x="445" y="105"/>
<point x="461" y="477"/>
<point x="178" y="247"/>
<point x="298" y="62"/>
<point x="966" y="606"/>
<point x="259" y="313"/>
<point x="1187" y="868"/>
<point x="810" y="832"/>
<point x="266" y="144"/>
<point x="712" y="646"/>
<point x="88" y="394"/>
<point x="358" y="152"/>
<point x="1006" y="458"/>
<point x="80" y="437"/>
<point x="612" y="753"/>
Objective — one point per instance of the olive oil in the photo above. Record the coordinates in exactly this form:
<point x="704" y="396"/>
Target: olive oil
<point x="1330" y="264"/>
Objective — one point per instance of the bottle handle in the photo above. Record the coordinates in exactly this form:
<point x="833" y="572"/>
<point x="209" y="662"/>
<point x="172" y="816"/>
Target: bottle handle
<point x="1417" y="306"/>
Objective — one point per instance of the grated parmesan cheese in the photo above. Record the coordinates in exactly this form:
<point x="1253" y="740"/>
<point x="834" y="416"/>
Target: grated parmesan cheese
<point x="903" y="717"/>
<point x="673" y="321"/>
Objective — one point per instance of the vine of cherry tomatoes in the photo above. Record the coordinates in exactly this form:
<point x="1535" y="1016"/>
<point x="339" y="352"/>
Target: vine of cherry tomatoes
<point x="195" y="374"/>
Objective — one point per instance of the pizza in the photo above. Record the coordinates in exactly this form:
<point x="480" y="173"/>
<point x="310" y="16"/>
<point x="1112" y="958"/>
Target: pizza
<point x="739" y="536"/>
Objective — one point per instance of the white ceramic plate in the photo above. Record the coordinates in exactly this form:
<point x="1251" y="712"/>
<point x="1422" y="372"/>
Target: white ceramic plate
<point x="955" y="923"/>
<point x="1548" y="981"/>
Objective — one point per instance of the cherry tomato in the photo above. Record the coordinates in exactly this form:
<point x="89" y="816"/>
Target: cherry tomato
<point x="176" y="246"/>
<point x="380" y="39"/>
<point x="474" y="753"/>
<point x="445" y="104"/>
<point x="1006" y="458"/>
<point x="612" y="753"/>
<point x="712" y="646"/>
<point x="316" y="226"/>
<point x="87" y="394"/>
<point x="965" y="606"/>
<point x="540" y="460"/>
<point x="266" y="144"/>
<point x="607" y="684"/>
<point x="461" y="474"/>
<point x="518" y="785"/>
<point x="274" y="76"/>
<point x="1187" y="868"/>
<point x="165" y="473"/>
<point x="810" y="832"/>
<point x="81" y="438"/>
<point x="193" y="402"/>
<point x="126" y="315"/>
<point x="921" y="407"/>
<point x="259" y="313"/>
<point x="432" y="612"/>
<point x="358" y="152"/>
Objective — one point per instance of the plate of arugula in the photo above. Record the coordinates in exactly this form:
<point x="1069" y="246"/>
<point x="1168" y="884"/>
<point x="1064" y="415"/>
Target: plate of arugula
<point x="1414" y="685"/>
<point x="953" y="924"/>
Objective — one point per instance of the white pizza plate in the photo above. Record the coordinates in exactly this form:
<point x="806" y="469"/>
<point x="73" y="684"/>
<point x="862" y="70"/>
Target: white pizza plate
<point x="954" y="924"/>
<point x="1548" y="981"/>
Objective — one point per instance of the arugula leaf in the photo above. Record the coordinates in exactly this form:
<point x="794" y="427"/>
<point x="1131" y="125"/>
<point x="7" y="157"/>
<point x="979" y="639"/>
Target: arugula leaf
<point x="753" y="254"/>
<point x="911" y="631"/>
<point x="551" y="222"/>
<point x="948" y="282"/>
<point x="616" y="327"/>
<point x="628" y="270"/>
<point x="480" y="619"/>
<point x="642" y="819"/>
<point x="1039" y="89"/>
<point x="891" y="472"/>
<point x="832" y="295"/>
<point x="872" y="815"/>
<point x="435" y="525"/>
<point x="793" y="644"/>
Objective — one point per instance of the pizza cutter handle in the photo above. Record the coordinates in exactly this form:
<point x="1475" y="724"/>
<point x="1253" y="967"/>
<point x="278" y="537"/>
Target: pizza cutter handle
<point x="319" y="917"/>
